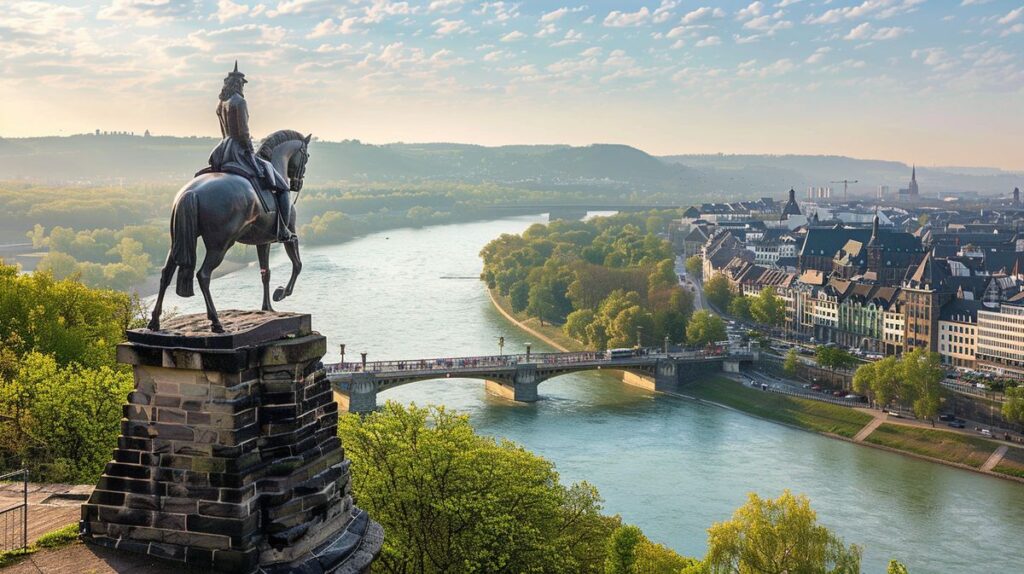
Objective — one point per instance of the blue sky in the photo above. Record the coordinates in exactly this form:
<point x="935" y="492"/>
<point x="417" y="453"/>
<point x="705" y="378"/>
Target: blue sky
<point x="931" y="82"/>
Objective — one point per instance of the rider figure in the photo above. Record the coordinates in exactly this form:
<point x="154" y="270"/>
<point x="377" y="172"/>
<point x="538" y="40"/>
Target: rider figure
<point x="234" y="154"/>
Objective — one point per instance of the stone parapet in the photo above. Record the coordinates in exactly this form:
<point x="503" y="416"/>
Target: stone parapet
<point x="229" y="457"/>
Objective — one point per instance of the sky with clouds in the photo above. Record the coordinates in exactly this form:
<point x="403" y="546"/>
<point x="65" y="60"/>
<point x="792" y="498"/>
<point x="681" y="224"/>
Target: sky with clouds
<point x="936" y="82"/>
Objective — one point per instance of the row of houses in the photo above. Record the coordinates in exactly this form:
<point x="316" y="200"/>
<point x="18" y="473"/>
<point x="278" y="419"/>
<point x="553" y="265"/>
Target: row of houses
<point x="887" y="288"/>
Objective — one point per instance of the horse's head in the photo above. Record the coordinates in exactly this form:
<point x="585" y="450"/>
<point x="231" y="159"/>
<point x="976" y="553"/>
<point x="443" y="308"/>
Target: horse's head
<point x="288" y="151"/>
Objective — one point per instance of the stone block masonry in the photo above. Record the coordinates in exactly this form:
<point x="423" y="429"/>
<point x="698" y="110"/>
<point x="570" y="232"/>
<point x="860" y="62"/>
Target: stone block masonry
<point x="228" y="457"/>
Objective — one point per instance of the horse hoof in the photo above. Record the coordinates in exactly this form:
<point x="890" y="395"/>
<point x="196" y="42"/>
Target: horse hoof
<point x="268" y="308"/>
<point x="279" y="294"/>
<point x="154" y="325"/>
<point x="216" y="327"/>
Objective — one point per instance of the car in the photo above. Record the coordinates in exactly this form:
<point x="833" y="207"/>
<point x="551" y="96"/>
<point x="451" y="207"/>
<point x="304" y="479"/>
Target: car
<point x="986" y="432"/>
<point x="895" y="414"/>
<point x="957" y="424"/>
<point x="946" y="417"/>
<point x="838" y="393"/>
<point x="815" y="387"/>
<point x="806" y="386"/>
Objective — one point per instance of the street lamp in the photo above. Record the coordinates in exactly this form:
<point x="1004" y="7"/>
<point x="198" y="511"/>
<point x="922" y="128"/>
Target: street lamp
<point x="528" y="352"/>
<point x="639" y="330"/>
<point x="501" y="346"/>
<point x="342" y="346"/>
<point x="364" y="360"/>
<point x="666" y="345"/>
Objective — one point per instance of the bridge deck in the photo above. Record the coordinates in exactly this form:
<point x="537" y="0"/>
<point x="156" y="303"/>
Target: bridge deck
<point x="453" y="366"/>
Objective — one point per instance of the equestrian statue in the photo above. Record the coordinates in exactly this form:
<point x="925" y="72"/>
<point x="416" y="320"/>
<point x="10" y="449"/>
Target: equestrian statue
<point x="242" y="197"/>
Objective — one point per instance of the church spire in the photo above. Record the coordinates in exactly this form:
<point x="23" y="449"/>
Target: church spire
<point x="913" y="173"/>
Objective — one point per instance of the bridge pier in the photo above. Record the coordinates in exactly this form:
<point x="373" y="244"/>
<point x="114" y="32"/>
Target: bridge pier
<point x="362" y="394"/>
<point x="522" y="388"/>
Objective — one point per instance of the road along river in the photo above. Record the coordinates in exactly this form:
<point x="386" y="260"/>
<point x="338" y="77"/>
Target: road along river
<point x="671" y="466"/>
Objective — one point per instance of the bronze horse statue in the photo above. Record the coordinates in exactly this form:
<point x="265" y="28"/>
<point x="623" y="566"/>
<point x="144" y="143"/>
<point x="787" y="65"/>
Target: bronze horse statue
<point x="223" y="209"/>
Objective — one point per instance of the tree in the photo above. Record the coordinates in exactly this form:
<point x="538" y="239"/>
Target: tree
<point x="896" y="567"/>
<point x="768" y="308"/>
<point x="922" y="375"/>
<point x="61" y="421"/>
<point x="880" y="380"/>
<point x="695" y="266"/>
<point x="792" y="363"/>
<point x="541" y="302"/>
<point x="519" y="296"/>
<point x="630" y="552"/>
<point x="739" y="307"/>
<point x="705" y="328"/>
<point x="718" y="291"/>
<point x="780" y="536"/>
<point x="833" y="359"/>
<point x="577" y="322"/>
<point x="452" y="501"/>
<point x="1013" y="406"/>
<point x="664" y="275"/>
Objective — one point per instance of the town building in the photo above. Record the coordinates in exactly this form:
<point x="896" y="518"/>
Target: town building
<point x="1000" y="341"/>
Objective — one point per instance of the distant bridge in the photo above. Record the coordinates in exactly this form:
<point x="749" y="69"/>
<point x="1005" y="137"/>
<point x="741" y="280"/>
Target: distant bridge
<point x="517" y="377"/>
<point x="579" y="211"/>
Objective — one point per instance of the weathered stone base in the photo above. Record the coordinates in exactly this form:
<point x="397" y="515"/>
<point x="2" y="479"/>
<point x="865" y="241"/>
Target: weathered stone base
<point x="229" y="459"/>
<point x="635" y="380"/>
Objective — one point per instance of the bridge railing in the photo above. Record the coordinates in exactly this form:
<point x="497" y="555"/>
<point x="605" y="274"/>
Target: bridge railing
<point x="508" y="361"/>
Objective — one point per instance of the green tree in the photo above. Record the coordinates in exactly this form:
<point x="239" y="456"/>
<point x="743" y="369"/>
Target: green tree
<point x="739" y="307"/>
<point x="664" y="275"/>
<point x="1013" y="406"/>
<point x="833" y="359"/>
<point x="577" y="322"/>
<point x="896" y="567"/>
<point x="61" y="421"/>
<point x="630" y="552"/>
<point x="718" y="291"/>
<point x="768" y="308"/>
<point x="695" y="266"/>
<point x="519" y="296"/>
<point x="922" y="375"/>
<point x="453" y="501"/>
<point x="705" y="328"/>
<point x="780" y="536"/>
<point x="792" y="363"/>
<point x="541" y="302"/>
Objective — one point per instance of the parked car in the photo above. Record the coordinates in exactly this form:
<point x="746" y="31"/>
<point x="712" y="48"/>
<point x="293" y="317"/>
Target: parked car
<point x="815" y="388"/>
<point x="957" y="424"/>
<point x="838" y="393"/>
<point x="986" y="432"/>
<point x="895" y="414"/>
<point x="946" y="417"/>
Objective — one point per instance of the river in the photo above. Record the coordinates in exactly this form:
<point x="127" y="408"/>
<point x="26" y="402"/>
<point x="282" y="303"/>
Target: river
<point x="668" y="465"/>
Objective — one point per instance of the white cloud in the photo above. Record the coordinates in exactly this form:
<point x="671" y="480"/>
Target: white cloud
<point x="878" y="9"/>
<point x="447" y="27"/>
<point x="709" y="41"/>
<point x="616" y="19"/>
<point x="286" y="7"/>
<point x="447" y="6"/>
<point x="1012" y="16"/>
<point x="226" y="10"/>
<point x="513" y="36"/>
<point x="865" y="31"/>
<point x="146" y="12"/>
<point x="702" y="12"/>
<point x="936" y="58"/>
<point x="571" y="37"/>
<point x="664" y="11"/>
<point x="768" y="23"/>
<point x="556" y="15"/>
<point x="752" y="10"/>
<point x="818" y="55"/>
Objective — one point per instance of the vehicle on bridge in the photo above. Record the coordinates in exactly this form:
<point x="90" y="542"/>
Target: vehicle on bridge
<point x="621" y="353"/>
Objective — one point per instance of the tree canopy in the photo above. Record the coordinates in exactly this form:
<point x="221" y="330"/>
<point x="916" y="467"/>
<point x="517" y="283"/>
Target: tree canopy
<point x="718" y="291"/>
<point x="705" y="328"/>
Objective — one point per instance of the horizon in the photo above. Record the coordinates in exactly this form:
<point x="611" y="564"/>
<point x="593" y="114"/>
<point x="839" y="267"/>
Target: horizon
<point x="931" y="84"/>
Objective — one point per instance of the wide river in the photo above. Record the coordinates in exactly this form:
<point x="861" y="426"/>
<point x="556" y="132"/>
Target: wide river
<point x="668" y="465"/>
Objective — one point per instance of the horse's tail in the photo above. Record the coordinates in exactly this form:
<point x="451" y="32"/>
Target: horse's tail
<point x="184" y="232"/>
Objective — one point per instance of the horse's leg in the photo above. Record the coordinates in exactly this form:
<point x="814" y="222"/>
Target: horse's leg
<point x="211" y="262"/>
<point x="165" y="279"/>
<point x="292" y="248"/>
<point x="263" y="252"/>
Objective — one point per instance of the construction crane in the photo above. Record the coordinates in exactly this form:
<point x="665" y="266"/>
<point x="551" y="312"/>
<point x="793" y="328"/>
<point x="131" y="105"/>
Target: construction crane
<point x="845" y="182"/>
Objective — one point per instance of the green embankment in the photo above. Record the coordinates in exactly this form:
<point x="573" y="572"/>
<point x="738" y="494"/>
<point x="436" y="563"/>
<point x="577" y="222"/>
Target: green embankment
<point x="1012" y="463"/>
<point x="804" y="413"/>
<point x="940" y="444"/>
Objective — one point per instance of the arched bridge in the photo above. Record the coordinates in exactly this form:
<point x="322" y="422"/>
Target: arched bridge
<point x="518" y="376"/>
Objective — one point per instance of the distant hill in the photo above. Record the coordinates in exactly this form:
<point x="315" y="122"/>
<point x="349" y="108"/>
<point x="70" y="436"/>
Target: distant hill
<point x="618" y="168"/>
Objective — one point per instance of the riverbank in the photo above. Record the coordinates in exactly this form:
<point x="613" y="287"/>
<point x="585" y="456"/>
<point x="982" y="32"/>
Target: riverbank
<point x="834" y="421"/>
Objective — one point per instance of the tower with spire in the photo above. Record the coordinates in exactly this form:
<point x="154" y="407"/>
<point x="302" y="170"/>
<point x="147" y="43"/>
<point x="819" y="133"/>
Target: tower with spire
<point x="912" y="189"/>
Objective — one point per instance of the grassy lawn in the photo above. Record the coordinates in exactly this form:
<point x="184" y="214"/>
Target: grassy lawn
<point x="952" y="447"/>
<point x="804" y="413"/>
<point x="55" y="539"/>
<point x="1012" y="463"/>
<point x="553" y="332"/>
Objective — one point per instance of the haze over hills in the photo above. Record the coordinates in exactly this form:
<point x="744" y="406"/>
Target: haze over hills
<point x="92" y="158"/>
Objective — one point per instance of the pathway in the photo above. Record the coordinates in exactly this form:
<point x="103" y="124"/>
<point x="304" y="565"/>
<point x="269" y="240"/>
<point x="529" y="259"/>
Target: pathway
<point x="870" y="427"/>
<point x="995" y="458"/>
<point x="50" y="506"/>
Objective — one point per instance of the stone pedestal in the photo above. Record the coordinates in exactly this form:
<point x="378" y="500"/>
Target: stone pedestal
<point x="228" y="457"/>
